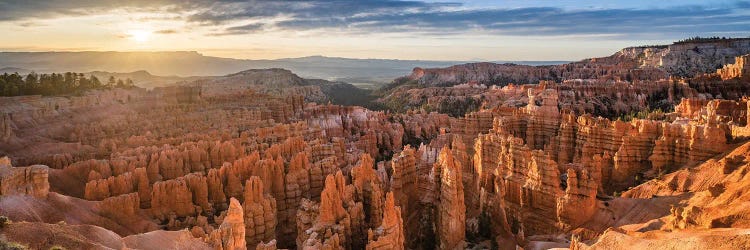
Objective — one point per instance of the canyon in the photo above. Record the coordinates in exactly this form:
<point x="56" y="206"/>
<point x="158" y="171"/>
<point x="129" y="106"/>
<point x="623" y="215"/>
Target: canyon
<point x="645" y="148"/>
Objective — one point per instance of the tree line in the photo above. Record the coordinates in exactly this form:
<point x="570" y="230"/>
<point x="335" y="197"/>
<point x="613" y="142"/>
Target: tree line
<point x="69" y="83"/>
<point x="698" y="39"/>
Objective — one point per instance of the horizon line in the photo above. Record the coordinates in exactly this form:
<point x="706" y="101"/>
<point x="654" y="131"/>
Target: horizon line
<point x="288" y="58"/>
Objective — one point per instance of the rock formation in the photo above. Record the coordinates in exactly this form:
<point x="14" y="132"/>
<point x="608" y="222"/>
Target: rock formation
<point x="685" y="59"/>
<point x="475" y="156"/>
<point x="738" y="69"/>
<point x="6" y="128"/>
<point x="32" y="180"/>
<point x="333" y="224"/>
<point x="404" y="180"/>
<point x="452" y="210"/>
<point x="231" y="233"/>
<point x="260" y="213"/>
<point x="390" y="235"/>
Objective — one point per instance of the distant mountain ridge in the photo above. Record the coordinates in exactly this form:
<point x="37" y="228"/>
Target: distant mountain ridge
<point x="11" y="70"/>
<point x="191" y="63"/>
<point x="143" y="78"/>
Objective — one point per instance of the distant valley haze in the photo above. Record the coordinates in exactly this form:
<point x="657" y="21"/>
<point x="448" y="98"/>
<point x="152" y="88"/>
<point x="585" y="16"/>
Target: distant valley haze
<point x="360" y="72"/>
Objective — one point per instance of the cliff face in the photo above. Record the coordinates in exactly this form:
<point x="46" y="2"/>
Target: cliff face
<point x="685" y="59"/>
<point x="694" y="58"/>
<point x="613" y="68"/>
<point x="485" y="73"/>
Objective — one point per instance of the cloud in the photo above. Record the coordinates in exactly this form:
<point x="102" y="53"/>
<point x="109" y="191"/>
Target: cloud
<point x="425" y="18"/>
<point x="166" y="31"/>
<point x="242" y="29"/>
<point x="14" y="10"/>
<point x="543" y="21"/>
<point x="306" y="10"/>
<point x="31" y="24"/>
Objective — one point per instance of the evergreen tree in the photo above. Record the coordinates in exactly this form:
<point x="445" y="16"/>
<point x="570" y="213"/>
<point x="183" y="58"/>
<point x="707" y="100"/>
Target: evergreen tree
<point x="54" y="84"/>
<point x="111" y="82"/>
<point x="95" y="82"/>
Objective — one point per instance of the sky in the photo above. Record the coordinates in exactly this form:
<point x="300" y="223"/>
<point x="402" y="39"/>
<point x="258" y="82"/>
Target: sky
<point x="393" y="29"/>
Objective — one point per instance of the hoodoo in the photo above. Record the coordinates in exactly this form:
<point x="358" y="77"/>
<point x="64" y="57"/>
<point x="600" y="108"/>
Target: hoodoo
<point x="647" y="148"/>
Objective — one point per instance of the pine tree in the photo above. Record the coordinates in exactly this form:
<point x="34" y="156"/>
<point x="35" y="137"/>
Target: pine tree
<point x="111" y="82"/>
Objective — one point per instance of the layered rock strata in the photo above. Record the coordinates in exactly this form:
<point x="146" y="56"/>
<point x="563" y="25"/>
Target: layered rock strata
<point x="31" y="180"/>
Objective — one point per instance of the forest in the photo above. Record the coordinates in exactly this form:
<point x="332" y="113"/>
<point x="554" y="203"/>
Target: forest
<point x="56" y="84"/>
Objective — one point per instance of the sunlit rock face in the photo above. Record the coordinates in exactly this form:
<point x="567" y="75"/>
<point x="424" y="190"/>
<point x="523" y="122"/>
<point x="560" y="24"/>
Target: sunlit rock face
<point x="451" y="209"/>
<point x="232" y="229"/>
<point x="739" y="69"/>
<point x="390" y="234"/>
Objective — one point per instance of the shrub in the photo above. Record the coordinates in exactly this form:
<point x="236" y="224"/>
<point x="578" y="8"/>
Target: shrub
<point x="5" y="245"/>
<point x="4" y="221"/>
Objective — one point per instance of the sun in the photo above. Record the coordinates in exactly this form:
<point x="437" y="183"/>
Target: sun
<point x="139" y="36"/>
